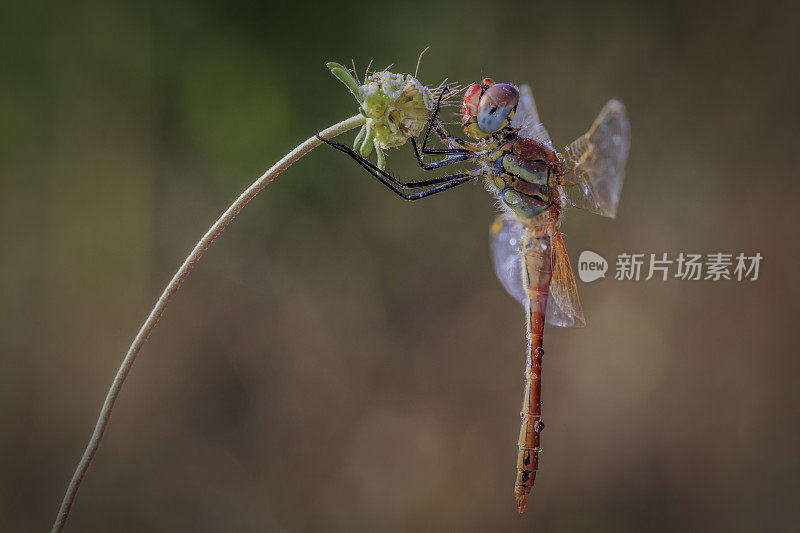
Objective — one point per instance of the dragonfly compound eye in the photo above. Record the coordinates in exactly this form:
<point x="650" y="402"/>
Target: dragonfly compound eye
<point x="497" y="107"/>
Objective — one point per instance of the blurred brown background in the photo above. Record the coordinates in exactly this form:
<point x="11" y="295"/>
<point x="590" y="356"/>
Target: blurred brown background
<point x="345" y="361"/>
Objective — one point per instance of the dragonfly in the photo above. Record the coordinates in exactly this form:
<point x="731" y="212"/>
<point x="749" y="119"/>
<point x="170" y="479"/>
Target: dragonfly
<point x="533" y="182"/>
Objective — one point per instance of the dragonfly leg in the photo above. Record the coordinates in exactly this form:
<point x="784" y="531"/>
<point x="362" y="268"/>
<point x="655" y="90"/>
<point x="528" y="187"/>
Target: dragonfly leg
<point x="449" y="160"/>
<point x="457" y="179"/>
<point x="456" y="146"/>
<point x="435" y="185"/>
<point x="441" y="133"/>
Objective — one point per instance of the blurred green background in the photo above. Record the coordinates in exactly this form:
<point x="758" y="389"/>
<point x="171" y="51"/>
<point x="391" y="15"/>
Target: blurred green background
<point x="345" y="361"/>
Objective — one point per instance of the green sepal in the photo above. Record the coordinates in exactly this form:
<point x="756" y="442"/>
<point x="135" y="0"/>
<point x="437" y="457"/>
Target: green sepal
<point x="345" y="77"/>
<point x="366" y="146"/>
<point x="381" y="159"/>
<point x="360" y="138"/>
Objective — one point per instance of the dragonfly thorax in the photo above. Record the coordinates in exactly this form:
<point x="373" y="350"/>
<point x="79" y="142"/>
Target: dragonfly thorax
<point x="525" y="176"/>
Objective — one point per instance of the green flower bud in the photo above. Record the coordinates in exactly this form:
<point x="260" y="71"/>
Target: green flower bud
<point x="396" y="107"/>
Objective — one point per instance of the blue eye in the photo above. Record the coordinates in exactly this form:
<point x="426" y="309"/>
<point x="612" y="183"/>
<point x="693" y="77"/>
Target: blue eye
<point x="495" y="106"/>
<point x="491" y="120"/>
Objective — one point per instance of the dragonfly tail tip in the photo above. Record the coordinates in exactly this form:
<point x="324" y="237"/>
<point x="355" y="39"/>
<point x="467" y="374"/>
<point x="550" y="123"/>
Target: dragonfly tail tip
<point x="521" y="496"/>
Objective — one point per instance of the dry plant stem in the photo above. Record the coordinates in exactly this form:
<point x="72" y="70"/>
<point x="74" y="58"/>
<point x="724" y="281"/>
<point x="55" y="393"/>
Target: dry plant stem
<point x="173" y="286"/>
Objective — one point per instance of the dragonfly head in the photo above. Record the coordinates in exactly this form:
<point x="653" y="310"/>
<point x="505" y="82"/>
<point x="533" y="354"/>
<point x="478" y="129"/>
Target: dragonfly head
<point x="488" y="107"/>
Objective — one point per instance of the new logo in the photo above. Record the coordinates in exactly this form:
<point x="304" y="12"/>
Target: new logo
<point x="591" y="266"/>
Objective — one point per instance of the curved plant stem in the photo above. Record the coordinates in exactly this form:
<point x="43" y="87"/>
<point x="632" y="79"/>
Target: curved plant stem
<point x="170" y="290"/>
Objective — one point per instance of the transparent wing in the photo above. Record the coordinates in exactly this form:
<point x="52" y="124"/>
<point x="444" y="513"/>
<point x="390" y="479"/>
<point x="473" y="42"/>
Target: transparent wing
<point x="563" y="305"/>
<point x="505" y="237"/>
<point x="595" y="163"/>
<point x="526" y="119"/>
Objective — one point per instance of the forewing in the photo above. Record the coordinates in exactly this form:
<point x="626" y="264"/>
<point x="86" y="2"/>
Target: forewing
<point x="595" y="163"/>
<point x="526" y="119"/>
<point x="563" y="304"/>
<point x="505" y="236"/>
